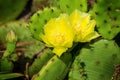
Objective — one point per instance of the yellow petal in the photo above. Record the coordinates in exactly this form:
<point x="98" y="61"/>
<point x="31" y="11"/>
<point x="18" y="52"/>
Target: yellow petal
<point x="59" y="50"/>
<point x="85" y="18"/>
<point x="43" y="37"/>
<point x="90" y="36"/>
<point x="89" y="29"/>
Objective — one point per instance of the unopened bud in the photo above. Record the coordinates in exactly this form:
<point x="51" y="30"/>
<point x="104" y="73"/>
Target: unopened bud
<point x="11" y="37"/>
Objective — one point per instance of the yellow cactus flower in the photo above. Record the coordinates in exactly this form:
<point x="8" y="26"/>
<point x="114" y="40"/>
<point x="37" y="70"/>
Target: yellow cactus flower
<point x="83" y="26"/>
<point x="59" y="34"/>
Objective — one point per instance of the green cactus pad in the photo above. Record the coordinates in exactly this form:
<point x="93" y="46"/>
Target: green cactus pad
<point x="40" y="61"/>
<point x="40" y="18"/>
<point x="96" y="61"/>
<point x="107" y="15"/>
<point x="55" y="69"/>
<point x="10" y="9"/>
<point x="69" y="6"/>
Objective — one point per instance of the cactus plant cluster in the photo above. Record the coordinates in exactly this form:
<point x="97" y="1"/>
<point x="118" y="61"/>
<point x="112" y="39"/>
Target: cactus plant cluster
<point x="37" y="22"/>
<point x="89" y="62"/>
<point x="67" y="41"/>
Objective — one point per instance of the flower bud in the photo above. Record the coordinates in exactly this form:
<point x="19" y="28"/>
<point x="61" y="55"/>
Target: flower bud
<point x="11" y="37"/>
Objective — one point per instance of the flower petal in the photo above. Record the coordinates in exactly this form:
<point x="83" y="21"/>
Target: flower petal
<point x="90" y="36"/>
<point x="59" y="50"/>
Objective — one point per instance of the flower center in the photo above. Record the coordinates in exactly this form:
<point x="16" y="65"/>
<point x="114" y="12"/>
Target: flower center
<point x="59" y="38"/>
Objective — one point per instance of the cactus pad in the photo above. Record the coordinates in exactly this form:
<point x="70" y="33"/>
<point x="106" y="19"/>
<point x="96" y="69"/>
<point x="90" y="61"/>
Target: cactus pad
<point x="96" y="61"/>
<point x="40" y="61"/>
<point x="40" y="18"/>
<point x="11" y="9"/>
<point x="55" y="69"/>
<point x="106" y="13"/>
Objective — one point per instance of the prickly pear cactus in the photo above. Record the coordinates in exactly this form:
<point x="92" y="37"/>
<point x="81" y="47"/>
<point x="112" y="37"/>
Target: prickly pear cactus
<point x="69" y="6"/>
<point x="106" y="13"/>
<point x="10" y="9"/>
<point x="96" y="61"/>
<point x="40" y="18"/>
